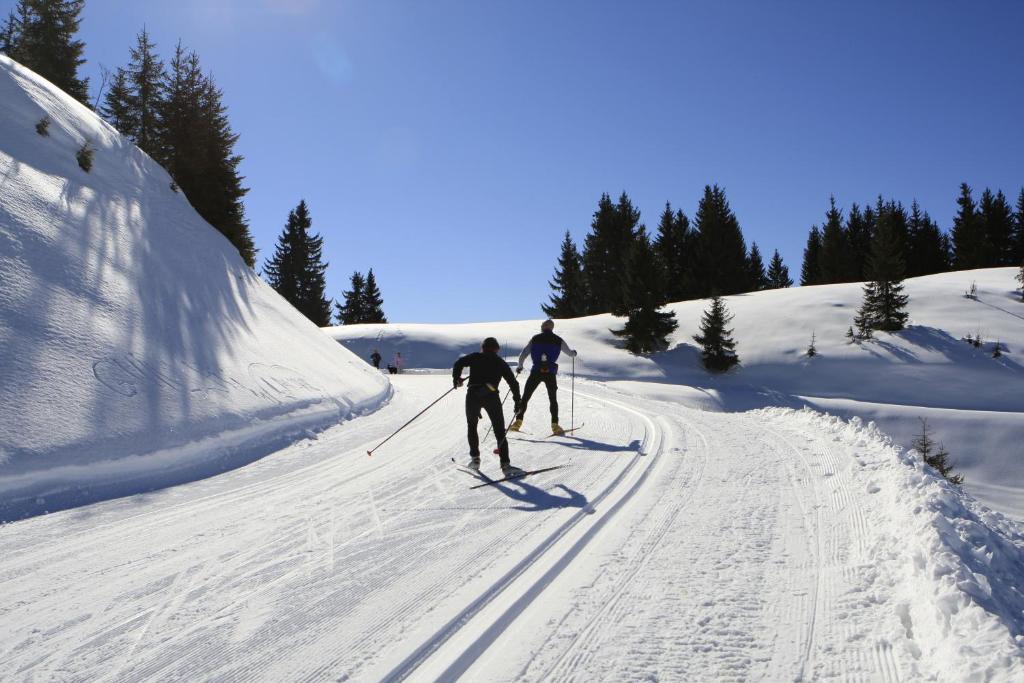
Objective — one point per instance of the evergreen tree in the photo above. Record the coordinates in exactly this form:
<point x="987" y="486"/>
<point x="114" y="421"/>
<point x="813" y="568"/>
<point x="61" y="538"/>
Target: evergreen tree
<point x="196" y="146"/>
<point x="117" y="107"/>
<point x="352" y="312"/>
<point x="810" y="272"/>
<point x="647" y="327"/>
<point x="1020" y="279"/>
<point x="969" y="243"/>
<point x="719" y="348"/>
<point x="613" y="232"/>
<point x="296" y="271"/>
<point x="373" y="303"/>
<point x="935" y="455"/>
<point x="859" y="227"/>
<point x="146" y="77"/>
<point x="720" y="243"/>
<point x="997" y="219"/>
<point x="926" y="251"/>
<point x="834" y="257"/>
<point x="672" y="247"/>
<point x="757" y="280"/>
<point x="42" y="37"/>
<point x="1018" y="229"/>
<point x="884" y="303"/>
<point x="778" y="273"/>
<point x="568" y="297"/>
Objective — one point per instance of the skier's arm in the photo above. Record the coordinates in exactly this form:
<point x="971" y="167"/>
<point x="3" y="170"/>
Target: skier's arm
<point x="513" y="383"/>
<point x="524" y="354"/>
<point x="567" y="350"/>
<point x="457" y="370"/>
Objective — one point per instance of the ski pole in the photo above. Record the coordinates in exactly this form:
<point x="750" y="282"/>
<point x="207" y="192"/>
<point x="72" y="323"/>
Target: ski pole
<point x="370" y="452"/>
<point x="572" y="396"/>
<point x="491" y="427"/>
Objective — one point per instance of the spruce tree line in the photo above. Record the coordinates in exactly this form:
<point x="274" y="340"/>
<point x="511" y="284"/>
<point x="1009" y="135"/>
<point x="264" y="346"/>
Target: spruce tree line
<point x="175" y="113"/>
<point x="40" y="34"/>
<point x="363" y="302"/>
<point x="623" y="270"/>
<point x="985" y="234"/>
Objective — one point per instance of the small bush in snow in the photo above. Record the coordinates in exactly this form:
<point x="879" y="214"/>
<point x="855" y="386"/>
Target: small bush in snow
<point x="812" y="351"/>
<point x="1020" y="276"/>
<point x="976" y="342"/>
<point x="972" y="291"/>
<point x="935" y="455"/>
<point x="850" y="335"/>
<point x="84" y="156"/>
<point x="43" y="126"/>
<point x="997" y="352"/>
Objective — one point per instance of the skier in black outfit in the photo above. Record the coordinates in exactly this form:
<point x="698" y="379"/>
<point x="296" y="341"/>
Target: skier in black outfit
<point x="375" y="358"/>
<point x="486" y="370"/>
<point x="544" y="349"/>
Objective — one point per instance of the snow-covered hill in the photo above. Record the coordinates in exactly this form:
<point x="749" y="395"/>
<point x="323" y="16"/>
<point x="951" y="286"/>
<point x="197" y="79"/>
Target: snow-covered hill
<point x="136" y="348"/>
<point x="973" y="402"/>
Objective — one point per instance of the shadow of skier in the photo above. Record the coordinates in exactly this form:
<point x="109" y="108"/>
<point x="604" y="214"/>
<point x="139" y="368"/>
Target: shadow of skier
<point x="536" y="499"/>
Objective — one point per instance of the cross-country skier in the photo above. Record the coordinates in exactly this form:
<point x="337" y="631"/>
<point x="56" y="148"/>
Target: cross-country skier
<point x="544" y="349"/>
<point x="486" y="370"/>
<point x="375" y="358"/>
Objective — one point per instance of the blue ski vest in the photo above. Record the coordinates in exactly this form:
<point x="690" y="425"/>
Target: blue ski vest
<point x="544" y="350"/>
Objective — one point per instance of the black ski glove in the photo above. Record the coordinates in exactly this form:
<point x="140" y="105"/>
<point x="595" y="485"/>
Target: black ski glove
<point x="457" y="381"/>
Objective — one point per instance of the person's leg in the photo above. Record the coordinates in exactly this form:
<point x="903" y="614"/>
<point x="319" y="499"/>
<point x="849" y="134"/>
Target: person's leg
<point x="472" y="417"/>
<point x="492" y="404"/>
<point x="552" y="387"/>
<point x="531" y="385"/>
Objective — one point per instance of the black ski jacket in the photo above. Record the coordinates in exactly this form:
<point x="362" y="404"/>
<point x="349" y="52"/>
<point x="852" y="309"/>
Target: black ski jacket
<point x="486" y="369"/>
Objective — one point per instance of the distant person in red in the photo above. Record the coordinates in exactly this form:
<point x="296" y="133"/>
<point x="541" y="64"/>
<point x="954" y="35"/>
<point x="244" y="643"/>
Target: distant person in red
<point x="544" y="349"/>
<point x="486" y="370"/>
<point x="375" y="358"/>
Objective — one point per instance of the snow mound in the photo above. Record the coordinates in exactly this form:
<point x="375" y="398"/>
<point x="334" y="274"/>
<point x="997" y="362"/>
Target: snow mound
<point x="950" y="567"/>
<point x="137" y="350"/>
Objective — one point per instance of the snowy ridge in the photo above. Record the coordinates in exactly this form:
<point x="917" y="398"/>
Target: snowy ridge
<point x="949" y="568"/>
<point x="131" y="333"/>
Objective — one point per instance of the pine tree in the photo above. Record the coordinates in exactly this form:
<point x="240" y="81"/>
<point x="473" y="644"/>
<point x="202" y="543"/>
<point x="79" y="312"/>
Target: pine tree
<point x="568" y="297"/>
<point x="757" y="280"/>
<point x="352" y="312"/>
<point x="613" y="231"/>
<point x="146" y="76"/>
<point x="1018" y="229"/>
<point x="834" y="257"/>
<point x="720" y="243"/>
<point x="296" y="271"/>
<point x="373" y="303"/>
<point x="812" y="350"/>
<point x="926" y="250"/>
<point x="884" y="303"/>
<point x="859" y="227"/>
<point x="196" y="146"/>
<point x="969" y="243"/>
<point x="997" y="219"/>
<point x="1020" y="279"/>
<point x="935" y="455"/>
<point x="810" y="272"/>
<point x="42" y="37"/>
<point x="719" y="348"/>
<point x="647" y="327"/>
<point x="672" y="247"/>
<point x="117" y="107"/>
<point x="778" y="273"/>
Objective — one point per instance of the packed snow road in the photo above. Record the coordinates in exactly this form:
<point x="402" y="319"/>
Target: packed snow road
<point x="674" y="545"/>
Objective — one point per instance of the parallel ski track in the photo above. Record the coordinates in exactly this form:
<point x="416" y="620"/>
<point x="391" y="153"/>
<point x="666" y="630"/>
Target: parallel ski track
<point x="463" y="658"/>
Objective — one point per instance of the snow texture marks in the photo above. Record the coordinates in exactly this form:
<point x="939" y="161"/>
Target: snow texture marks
<point x="131" y="332"/>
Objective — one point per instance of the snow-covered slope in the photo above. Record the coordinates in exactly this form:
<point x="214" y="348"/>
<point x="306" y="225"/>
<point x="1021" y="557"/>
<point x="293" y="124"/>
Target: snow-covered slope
<point x="973" y="402"/>
<point x="136" y="348"/>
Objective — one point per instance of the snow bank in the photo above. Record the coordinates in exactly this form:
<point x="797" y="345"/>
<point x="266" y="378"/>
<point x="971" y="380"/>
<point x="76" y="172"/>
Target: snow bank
<point x="131" y="333"/>
<point x="958" y="564"/>
<point x="974" y="403"/>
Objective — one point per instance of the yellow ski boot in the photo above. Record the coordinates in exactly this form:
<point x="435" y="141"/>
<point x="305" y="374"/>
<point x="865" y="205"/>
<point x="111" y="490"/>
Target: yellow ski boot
<point x="516" y="425"/>
<point x="556" y="429"/>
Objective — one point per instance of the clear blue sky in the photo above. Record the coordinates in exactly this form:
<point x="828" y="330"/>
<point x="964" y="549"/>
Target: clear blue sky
<point x="450" y="144"/>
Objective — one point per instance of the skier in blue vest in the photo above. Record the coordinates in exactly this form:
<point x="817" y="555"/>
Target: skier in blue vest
<point x="543" y="349"/>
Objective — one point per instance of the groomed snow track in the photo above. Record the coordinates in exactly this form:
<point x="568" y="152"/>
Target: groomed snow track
<point x="675" y="545"/>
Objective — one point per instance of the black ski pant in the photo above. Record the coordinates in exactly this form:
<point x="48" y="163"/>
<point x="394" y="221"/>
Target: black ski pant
<point x="483" y="397"/>
<point x="532" y="382"/>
